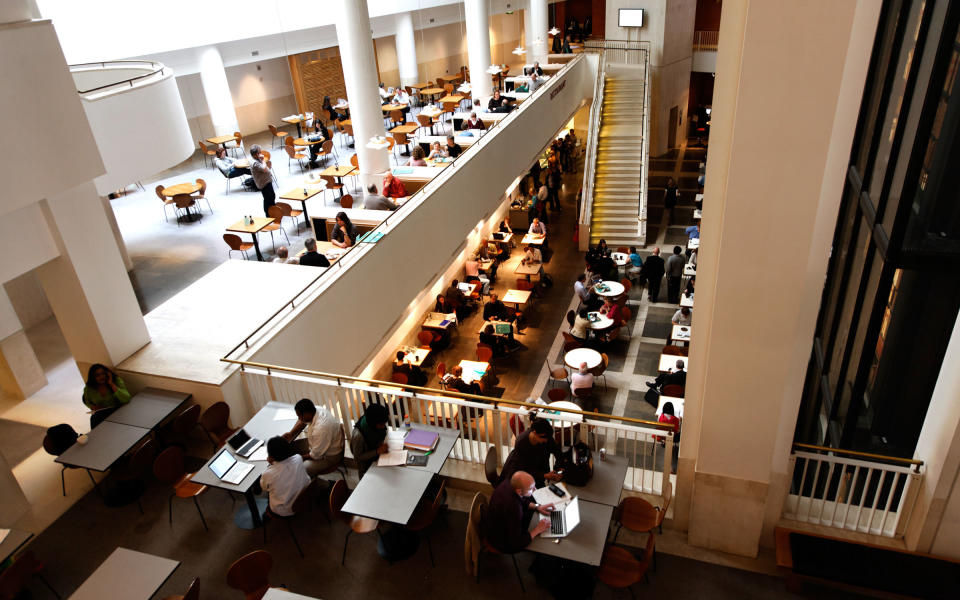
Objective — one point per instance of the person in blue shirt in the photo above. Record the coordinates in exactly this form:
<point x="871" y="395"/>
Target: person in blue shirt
<point x="693" y="232"/>
<point x="633" y="271"/>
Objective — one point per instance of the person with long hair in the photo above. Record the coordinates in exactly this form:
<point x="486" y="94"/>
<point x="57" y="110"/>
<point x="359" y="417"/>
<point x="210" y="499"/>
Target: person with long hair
<point x="104" y="389"/>
<point x="344" y="234"/>
<point x="368" y="440"/>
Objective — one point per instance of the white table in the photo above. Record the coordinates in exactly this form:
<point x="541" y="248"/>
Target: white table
<point x="693" y="243"/>
<point x="689" y="270"/>
<point x="677" y="405"/>
<point x="681" y="333"/>
<point x="686" y="300"/>
<point x="127" y="574"/>
<point x="473" y="370"/>
<point x="571" y="418"/>
<point x="517" y="297"/>
<point x="582" y="355"/>
<point x="415" y="355"/>
<point x="536" y="239"/>
<point x="602" y="321"/>
<point x="483" y="325"/>
<point x="698" y="198"/>
<point x="697" y="213"/>
<point x="528" y="269"/>
<point x="613" y="289"/>
<point x="437" y="320"/>
<point x="276" y="594"/>
<point x="620" y="259"/>
<point x="668" y="362"/>
<point x="388" y="493"/>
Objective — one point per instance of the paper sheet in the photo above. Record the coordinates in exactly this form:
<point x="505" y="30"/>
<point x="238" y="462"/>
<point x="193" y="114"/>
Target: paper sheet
<point x="545" y="496"/>
<point x="259" y="454"/>
<point x="285" y="414"/>
<point x="396" y="458"/>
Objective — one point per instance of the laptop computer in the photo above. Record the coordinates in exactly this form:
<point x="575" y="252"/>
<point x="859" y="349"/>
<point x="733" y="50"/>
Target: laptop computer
<point x="227" y="468"/>
<point x="243" y="444"/>
<point x="563" y="521"/>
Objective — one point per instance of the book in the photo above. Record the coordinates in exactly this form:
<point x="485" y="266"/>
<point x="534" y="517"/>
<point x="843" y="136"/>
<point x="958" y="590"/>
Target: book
<point x="419" y="439"/>
<point x="394" y="458"/>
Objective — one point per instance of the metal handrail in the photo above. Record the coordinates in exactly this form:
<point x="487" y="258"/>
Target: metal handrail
<point x="131" y="80"/>
<point x="593" y="135"/>
<point x="409" y="205"/>
<point x="414" y="389"/>
<point x="871" y="455"/>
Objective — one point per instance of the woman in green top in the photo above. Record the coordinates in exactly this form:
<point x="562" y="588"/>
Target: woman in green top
<point x="104" y="389"/>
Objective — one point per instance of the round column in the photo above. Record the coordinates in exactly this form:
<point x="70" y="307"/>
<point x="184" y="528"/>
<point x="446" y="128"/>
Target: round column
<point x="406" y="49"/>
<point x="360" y="78"/>
<point x="213" y="78"/>
<point x="537" y="32"/>
<point x="478" y="47"/>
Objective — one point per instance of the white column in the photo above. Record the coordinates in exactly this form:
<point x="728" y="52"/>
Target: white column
<point x="537" y="32"/>
<point x="478" y="47"/>
<point x="406" y="49"/>
<point x="20" y="371"/>
<point x="360" y="77"/>
<point x="213" y="77"/>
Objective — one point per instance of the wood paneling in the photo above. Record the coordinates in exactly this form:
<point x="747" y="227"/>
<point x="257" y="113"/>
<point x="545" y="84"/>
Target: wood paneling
<point x="317" y="74"/>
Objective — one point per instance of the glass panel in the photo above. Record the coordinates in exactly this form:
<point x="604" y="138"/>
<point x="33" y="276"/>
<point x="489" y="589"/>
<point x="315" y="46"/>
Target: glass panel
<point x="834" y="294"/>
<point x="849" y="304"/>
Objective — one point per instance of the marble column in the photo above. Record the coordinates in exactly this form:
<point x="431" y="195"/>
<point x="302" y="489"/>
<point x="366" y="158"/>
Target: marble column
<point x="360" y="77"/>
<point x="406" y="49"/>
<point x="478" y="47"/>
<point x="213" y="78"/>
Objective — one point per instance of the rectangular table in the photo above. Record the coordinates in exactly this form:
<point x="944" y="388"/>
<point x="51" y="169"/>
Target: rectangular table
<point x="436" y="459"/>
<point x="502" y="240"/>
<point x="415" y="355"/>
<point x="689" y="269"/>
<point x="585" y="543"/>
<point x="253" y="229"/>
<point x="12" y="543"/>
<point x="273" y="419"/>
<point x="464" y="141"/>
<point x="221" y="140"/>
<point x="325" y="218"/>
<point x="106" y="443"/>
<point x="697" y="214"/>
<point x="149" y="408"/>
<point x="473" y="370"/>
<point x="686" y="300"/>
<point x="489" y="119"/>
<point x="607" y="481"/>
<point x="517" y="297"/>
<point x="302" y="194"/>
<point x="529" y="269"/>
<point x="388" y="493"/>
<point x="276" y="594"/>
<point x="536" y="239"/>
<point x="677" y="406"/>
<point x="668" y="362"/>
<point x="405" y="128"/>
<point x="435" y="320"/>
<point x="127" y="574"/>
<point x="693" y="243"/>
<point x="680" y="333"/>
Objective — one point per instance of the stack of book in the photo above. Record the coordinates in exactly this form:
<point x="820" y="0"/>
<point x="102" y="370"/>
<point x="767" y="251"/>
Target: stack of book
<point x="420" y="440"/>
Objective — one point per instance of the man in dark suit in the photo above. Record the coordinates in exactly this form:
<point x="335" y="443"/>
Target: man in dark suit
<point x="312" y="258"/>
<point x="652" y="271"/>
<point x="678" y="377"/>
<point x="509" y="513"/>
<point x="495" y="309"/>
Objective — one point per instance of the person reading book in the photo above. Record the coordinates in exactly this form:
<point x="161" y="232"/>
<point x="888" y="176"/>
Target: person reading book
<point x="368" y="440"/>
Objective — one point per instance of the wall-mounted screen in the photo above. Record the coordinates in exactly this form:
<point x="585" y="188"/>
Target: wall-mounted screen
<point x="631" y="17"/>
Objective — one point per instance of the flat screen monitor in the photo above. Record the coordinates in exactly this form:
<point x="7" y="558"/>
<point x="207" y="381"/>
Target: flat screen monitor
<point x="631" y="17"/>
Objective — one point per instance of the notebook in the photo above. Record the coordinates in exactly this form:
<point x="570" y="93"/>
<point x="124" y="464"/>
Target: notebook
<point x="403" y="171"/>
<point x="502" y="328"/>
<point x="419" y="439"/>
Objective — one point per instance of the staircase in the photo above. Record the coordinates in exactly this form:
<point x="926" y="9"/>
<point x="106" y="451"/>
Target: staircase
<point x="616" y="185"/>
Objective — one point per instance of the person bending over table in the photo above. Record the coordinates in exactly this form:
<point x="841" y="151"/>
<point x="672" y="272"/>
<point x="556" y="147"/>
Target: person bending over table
<point x="455" y="382"/>
<point x="322" y="448"/>
<point x="393" y="187"/>
<point x="500" y="344"/>
<point x="495" y="309"/>
<point x="285" y="476"/>
<point x="312" y="258"/>
<point x="226" y="166"/>
<point x="452" y="149"/>
<point x="374" y="201"/>
<point x="509" y="512"/>
<point x="437" y="151"/>
<point x="417" y="157"/>
<point x="344" y="234"/>
<point x="537" y="227"/>
<point x="472" y="123"/>
<point x="415" y="375"/>
<point x="531" y="256"/>
<point x="367" y="442"/>
<point x="583" y="378"/>
<point x="532" y="453"/>
<point x="104" y="389"/>
<point x="682" y="317"/>
<point x="262" y="177"/>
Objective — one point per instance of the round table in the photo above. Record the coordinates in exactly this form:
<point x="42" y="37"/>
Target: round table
<point x="561" y="435"/>
<point x="582" y="355"/>
<point x="620" y="259"/>
<point x="567" y="405"/>
<point x="180" y="188"/>
<point x="603" y="322"/>
<point x="613" y="288"/>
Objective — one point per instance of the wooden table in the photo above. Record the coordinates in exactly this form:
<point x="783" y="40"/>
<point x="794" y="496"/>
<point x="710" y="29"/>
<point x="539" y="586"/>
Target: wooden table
<point x="303" y="194"/>
<point x="537" y="239"/>
<point x="452" y="98"/>
<point x="180" y="188"/>
<point x="221" y="140"/>
<point x="503" y="240"/>
<point x="668" y="362"/>
<point x="405" y="128"/>
<point x="127" y="574"/>
<point x="420" y="86"/>
<point x="431" y="111"/>
<point x="258" y="224"/>
<point x="414" y="354"/>
<point x="391" y="107"/>
<point x="582" y="355"/>
<point x="517" y="297"/>
<point x="431" y="91"/>
<point x="338" y="171"/>
<point x="149" y="408"/>
<point x="301" y="141"/>
<point x="294" y="120"/>
<point x="473" y="370"/>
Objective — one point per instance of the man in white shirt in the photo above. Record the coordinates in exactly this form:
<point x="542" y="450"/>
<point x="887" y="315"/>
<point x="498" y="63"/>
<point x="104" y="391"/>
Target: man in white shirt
<point x="537" y="227"/>
<point x="284" y="478"/>
<point x="283" y="256"/>
<point x="323" y="447"/>
<point x="532" y="256"/>
<point x="683" y="316"/>
<point x="581" y="379"/>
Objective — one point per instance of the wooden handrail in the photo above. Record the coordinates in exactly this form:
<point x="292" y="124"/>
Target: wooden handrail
<point x="906" y="461"/>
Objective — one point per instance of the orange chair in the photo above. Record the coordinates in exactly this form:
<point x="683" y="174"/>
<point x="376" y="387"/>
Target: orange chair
<point x="400" y="378"/>
<point x="166" y="201"/>
<point x="619" y="569"/>
<point x="424" y="516"/>
<point x="193" y="592"/>
<point x="289" y="211"/>
<point x="427" y="338"/>
<point x="16" y="577"/>
<point x="674" y="391"/>
<point x="484" y="353"/>
<point x="293" y="155"/>
<point x="169" y="468"/>
<point x="441" y="373"/>
<point x="275" y="213"/>
<point x="236" y="244"/>
<point x="557" y="394"/>
<point x="338" y="497"/>
<point x="304" y="502"/>
<point x="206" y="152"/>
<point x="277" y="135"/>
<point x="346" y="201"/>
<point x="250" y="574"/>
<point x="332" y="183"/>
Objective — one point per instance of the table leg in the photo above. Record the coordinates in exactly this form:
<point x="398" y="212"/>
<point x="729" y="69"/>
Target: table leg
<point x="398" y="543"/>
<point x="256" y="246"/>
<point x="299" y="133"/>
<point x="306" y="217"/>
<point x="249" y="518"/>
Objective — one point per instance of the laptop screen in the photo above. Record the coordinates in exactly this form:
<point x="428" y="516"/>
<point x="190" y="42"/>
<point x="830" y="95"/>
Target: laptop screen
<point x="572" y="514"/>
<point x="239" y="439"/>
<point x="222" y="463"/>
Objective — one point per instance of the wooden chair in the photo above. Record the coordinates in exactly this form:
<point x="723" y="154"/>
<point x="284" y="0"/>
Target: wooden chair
<point x="266" y="156"/>
<point x="623" y="250"/>
<point x="277" y="135"/>
<point x="475" y="530"/>
<point x="346" y="201"/>
<point x="303" y="503"/>
<point x="675" y="351"/>
<point x="424" y="516"/>
<point x="627" y="314"/>
<point x="583" y="395"/>
<point x="426" y="122"/>
<point x="448" y="88"/>
<point x="627" y="284"/>
<point x="201" y="194"/>
<point x="206" y="152"/>
<point x="600" y="370"/>
<point x="557" y="394"/>
<point x="569" y="342"/>
<point x="401" y="139"/>
<point x="17" y="576"/>
<point x="326" y="149"/>
<point x="193" y="592"/>
<point x="636" y="514"/>
<point x="133" y="468"/>
<point x="619" y="569"/>
<point x="57" y="440"/>
<point x="484" y="353"/>
<point x="235" y="243"/>
<point x="441" y="373"/>
<point x="332" y="184"/>
<point x="338" y="497"/>
<point x="490" y="466"/>
<point x="289" y="211"/>
<point x="400" y="378"/>
<point x="183" y="202"/>
<point x="184" y="422"/>
<point x="440" y="82"/>
<point x="558" y="374"/>
<point x="169" y="468"/>
<point x="276" y="213"/>
<point x="449" y="108"/>
<point x="396" y="117"/>
<point x="215" y="422"/>
<point x="250" y="574"/>
<point x="238" y="143"/>
<point x="348" y="130"/>
<point x="294" y="155"/>
<point x="166" y="201"/>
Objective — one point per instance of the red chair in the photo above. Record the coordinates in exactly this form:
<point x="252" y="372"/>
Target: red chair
<point x="250" y="574"/>
<point x="619" y="569"/>
<point x="399" y="378"/>
<point x="441" y="373"/>
<point x="674" y="390"/>
<point x="557" y="394"/>
<point x="16" y="577"/>
<point x="484" y="353"/>
<point x="427" y="338"/>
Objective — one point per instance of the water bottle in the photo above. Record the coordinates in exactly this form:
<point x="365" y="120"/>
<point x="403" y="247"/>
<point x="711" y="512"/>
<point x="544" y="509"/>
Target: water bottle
<point x="406" y="422"/>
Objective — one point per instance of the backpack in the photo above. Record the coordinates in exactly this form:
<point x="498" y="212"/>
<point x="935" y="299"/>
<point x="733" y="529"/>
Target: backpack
<point x="577" y="464"/>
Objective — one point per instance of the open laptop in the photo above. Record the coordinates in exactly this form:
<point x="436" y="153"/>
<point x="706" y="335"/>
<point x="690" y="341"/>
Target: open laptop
<point x="228" y="468"/>
<point x="243" y="444"/>
<point x="563" y="521"/>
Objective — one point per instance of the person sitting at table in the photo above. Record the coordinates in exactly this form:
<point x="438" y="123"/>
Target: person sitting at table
<point x="393" y="187"/>
<point x="535" y="82"/>
<point x="331" y="111"/>
<point x="458" y="300"/>
<point x="263" y="177"/>
<point x="531" y="453"/>
<point x="505" y="225"/>
<point x="368" y="439"/>
<point x="565" y="49"/>
<point x="452" y="149"/>
<point x="384" y="92"/>
<point x="311" y="257"/>
<point x="531" y="256"/>
<point x="580" y="330"/>
<point x="667" y="416"/>
<point x="226" y="166"/>
<point x="522" y="87"/>
<point x="104" y="389"/>
<point x="692" y="256"/>
<point x="455" y="382"/>
<point x="415" y="375"/>
<point x="497" y="101"/>
<point x="472" y="123"/>
<point x="582" y="289"/>
<point x="471" y="269"/>
<point x="400" y="96"/>
<point x="598" y="251"/>
<point x="537" y="227"/>
<point x="344" y="234"/>
<point x="495" y="309"/>
<point x="322" y="446"/>
<point x="283" y="256"/>
<point x="437" y="151"/>
<point x="374" y="201"/>
<point x="443" y="305"/>
<point x="636" y="262"/>
<point x="417" y="157"/>
<point x="496" y="342"/>
<point x="688" y="291"/>
<point x="611" y="310"/>
<point x="682" y="317"/>
<point x="678" y="377"/>
<point x="693" y="232"/>
<point x="507" y="525"/>
<point x="537" y="69"/>
<point x="285" y="476"/>
<point x="582" y="379"/>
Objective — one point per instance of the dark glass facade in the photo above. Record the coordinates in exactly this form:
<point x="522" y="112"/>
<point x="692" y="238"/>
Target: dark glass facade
<point x="892" y="292"/>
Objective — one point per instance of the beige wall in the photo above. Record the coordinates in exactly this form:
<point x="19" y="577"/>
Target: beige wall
<point x="28" y="299"/>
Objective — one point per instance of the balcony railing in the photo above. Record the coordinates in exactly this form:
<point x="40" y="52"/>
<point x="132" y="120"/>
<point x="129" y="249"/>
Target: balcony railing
<point x="854" y="491"/>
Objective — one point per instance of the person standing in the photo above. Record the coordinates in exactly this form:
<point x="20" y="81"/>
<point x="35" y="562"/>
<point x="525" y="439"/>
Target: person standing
<point x="554" y="182"/>
<point x="652" y="270"/>
<point x="670" y="198"/>
<point x="674" y="269"/>
<point x="262" y="177"/>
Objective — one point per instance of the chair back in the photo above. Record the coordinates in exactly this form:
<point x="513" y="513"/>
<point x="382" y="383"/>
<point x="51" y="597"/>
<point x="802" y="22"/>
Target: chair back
<point x="250" y="573"/>
<point x="168" y="467"/>
<point x="159" y="189"/>
<point x="203" y="147"/>
<point x="424" y="121"/>
<point x="203" y="186"/>
<point x="449" y="106"/>
<point x="216" y="417"/>
<point x="390" y="143"/>
<point x="186" y="420"/>
<point x="339" y="494"/>
<point x="16" y="577"/>
<point x="490" y="466"/>
<point x="184" y="200"/>
<point x="626" y="312"/>
<point x="484" y="353"/>
<point x="583" y="393"/>
<point x="327" y="146"/>
<point x="354" y="162"/>
<point x="524" y="285"/>
<point x="276" y="213"/>
<point x="569" y="342"/>
<point x="266" y="154"/>
<point x="290" y="151"/>
<point x="440" y="82"/>
<point x="233" y="240"/>
<point x="141" y="460"/>
<point x="675" y="350"/>
<point x="305" y="499"/>
<point x="285" y="208"/>
<point x="441" y="370"/>
<point x="238" y="137"/>
<point x="674" y="390"/>
<point x="272" y="129"/>
<point x="425" y="337"/>
<point x="59" y="438"/>
<point x="346" y="201"/>
<point x="288" y="142"/>
<point x="399" y="378"/>
<point x="623" y="250"/>
<point x="396" y="116"/>
<point x="400" y="139"/>
<point x="426" y="514"/>
<point x="448" y="88"/>
<point x="99" y="416"/>
<point x="627" y="284"/>
<point x="557" y="394"/>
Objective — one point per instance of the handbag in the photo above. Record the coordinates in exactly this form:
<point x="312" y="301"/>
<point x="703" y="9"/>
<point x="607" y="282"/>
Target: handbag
<point x="652" y="397"/>
<point x="577" y="464"/>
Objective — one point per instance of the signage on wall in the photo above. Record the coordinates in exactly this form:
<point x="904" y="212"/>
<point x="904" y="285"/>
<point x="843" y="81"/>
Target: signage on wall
<point x="630" y="17"/>
<point x="558" y="89"/>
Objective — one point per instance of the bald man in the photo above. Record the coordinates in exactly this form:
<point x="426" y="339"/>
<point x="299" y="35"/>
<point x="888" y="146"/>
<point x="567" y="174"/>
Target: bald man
<point x="508" y="517"/>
